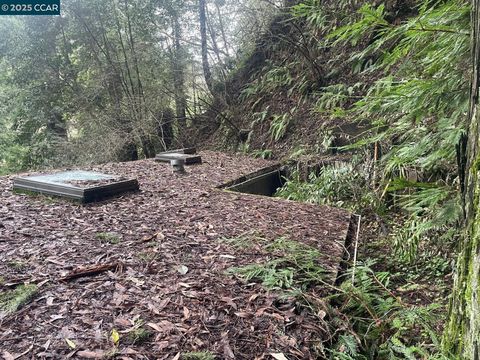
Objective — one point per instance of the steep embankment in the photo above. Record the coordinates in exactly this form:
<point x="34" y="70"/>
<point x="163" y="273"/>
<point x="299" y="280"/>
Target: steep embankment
<point x="275" y="103"/>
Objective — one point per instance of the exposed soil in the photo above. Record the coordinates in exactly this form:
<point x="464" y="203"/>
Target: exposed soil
<point x="167" y="272"/>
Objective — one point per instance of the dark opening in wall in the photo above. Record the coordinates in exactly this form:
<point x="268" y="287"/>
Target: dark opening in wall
<point x="265" y="182"/>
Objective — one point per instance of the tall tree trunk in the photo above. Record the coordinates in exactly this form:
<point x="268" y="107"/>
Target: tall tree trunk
<point x="203" y="34"/>
<point x="133" y="52"/>
<point x="462" y="333"/>
<point x="222" y="29"/>
<point x="178" y="74"/>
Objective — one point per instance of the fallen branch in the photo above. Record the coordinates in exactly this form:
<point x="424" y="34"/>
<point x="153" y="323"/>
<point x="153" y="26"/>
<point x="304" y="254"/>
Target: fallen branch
<point x="75" y="274"/>
<point x="158" y="235"/>
<point x="19" y="281"/>
<point x="91" y="271"/>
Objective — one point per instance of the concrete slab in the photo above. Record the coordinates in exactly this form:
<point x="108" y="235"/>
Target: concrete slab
<point x="190" y="151"/>
<point x="189" y="159"/>
<point x="84" y="186"/>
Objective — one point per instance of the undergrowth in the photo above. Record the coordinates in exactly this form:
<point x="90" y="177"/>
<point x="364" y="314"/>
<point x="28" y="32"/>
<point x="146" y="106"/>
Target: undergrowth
<point x="366" y="315"/>
<point x="380" y="324"/>
<point x="415" y="109"/>
<point x="409" y="85"/>
<point x="428" y="212"/>
<point x="337" y="185"/>
<point x="411" y="77"/>
<point x="294" y="265"/>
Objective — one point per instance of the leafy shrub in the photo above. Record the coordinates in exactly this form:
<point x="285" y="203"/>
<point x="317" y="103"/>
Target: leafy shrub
<point x="434" y="212"/>
<point x="367" y="319"/>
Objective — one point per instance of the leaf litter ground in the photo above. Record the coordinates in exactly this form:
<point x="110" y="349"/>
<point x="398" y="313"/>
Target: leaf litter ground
<point x="145" y="275"/>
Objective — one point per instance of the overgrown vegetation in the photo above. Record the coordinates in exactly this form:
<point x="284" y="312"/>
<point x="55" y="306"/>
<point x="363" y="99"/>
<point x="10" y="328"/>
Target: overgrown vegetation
<point x="411" y="88"/>
<point x="398" y="74"/>
<point x="416" y="111"/>
<point x="367" y="317"/>
<point x="339" y="185"/>
<point x="380" y="324"/>
<point x="294" y="265"/>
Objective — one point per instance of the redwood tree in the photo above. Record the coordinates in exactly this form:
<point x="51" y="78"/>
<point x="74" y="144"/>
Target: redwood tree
<point x="462" y="334"/>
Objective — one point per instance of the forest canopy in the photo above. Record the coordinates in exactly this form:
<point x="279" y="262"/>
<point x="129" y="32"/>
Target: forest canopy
<point x="112" y="80"/>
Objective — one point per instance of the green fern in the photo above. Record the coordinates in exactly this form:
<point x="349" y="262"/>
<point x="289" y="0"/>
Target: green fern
<point x="416" y="109"/>
<point x="295" y="266"/>
<point x="264" y="154"/>
<point x="279" y="126"/>
<point x="340" y="185"/>
<point x="383" y="320"/>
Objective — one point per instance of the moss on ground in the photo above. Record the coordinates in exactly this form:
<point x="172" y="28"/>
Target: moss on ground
<point x="17" y="265"/>
<point x="13" y="300"/>
<point x="139" y="336"/>
<point x="108" y="237"/>
<point x="198" y="355"/>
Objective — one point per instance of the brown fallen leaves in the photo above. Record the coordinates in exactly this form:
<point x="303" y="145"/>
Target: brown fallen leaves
<point x="167" y="275"/>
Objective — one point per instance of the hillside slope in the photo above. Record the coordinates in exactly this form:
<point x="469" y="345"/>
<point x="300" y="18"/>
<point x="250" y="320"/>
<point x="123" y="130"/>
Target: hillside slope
<point x="274" y="103"/>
